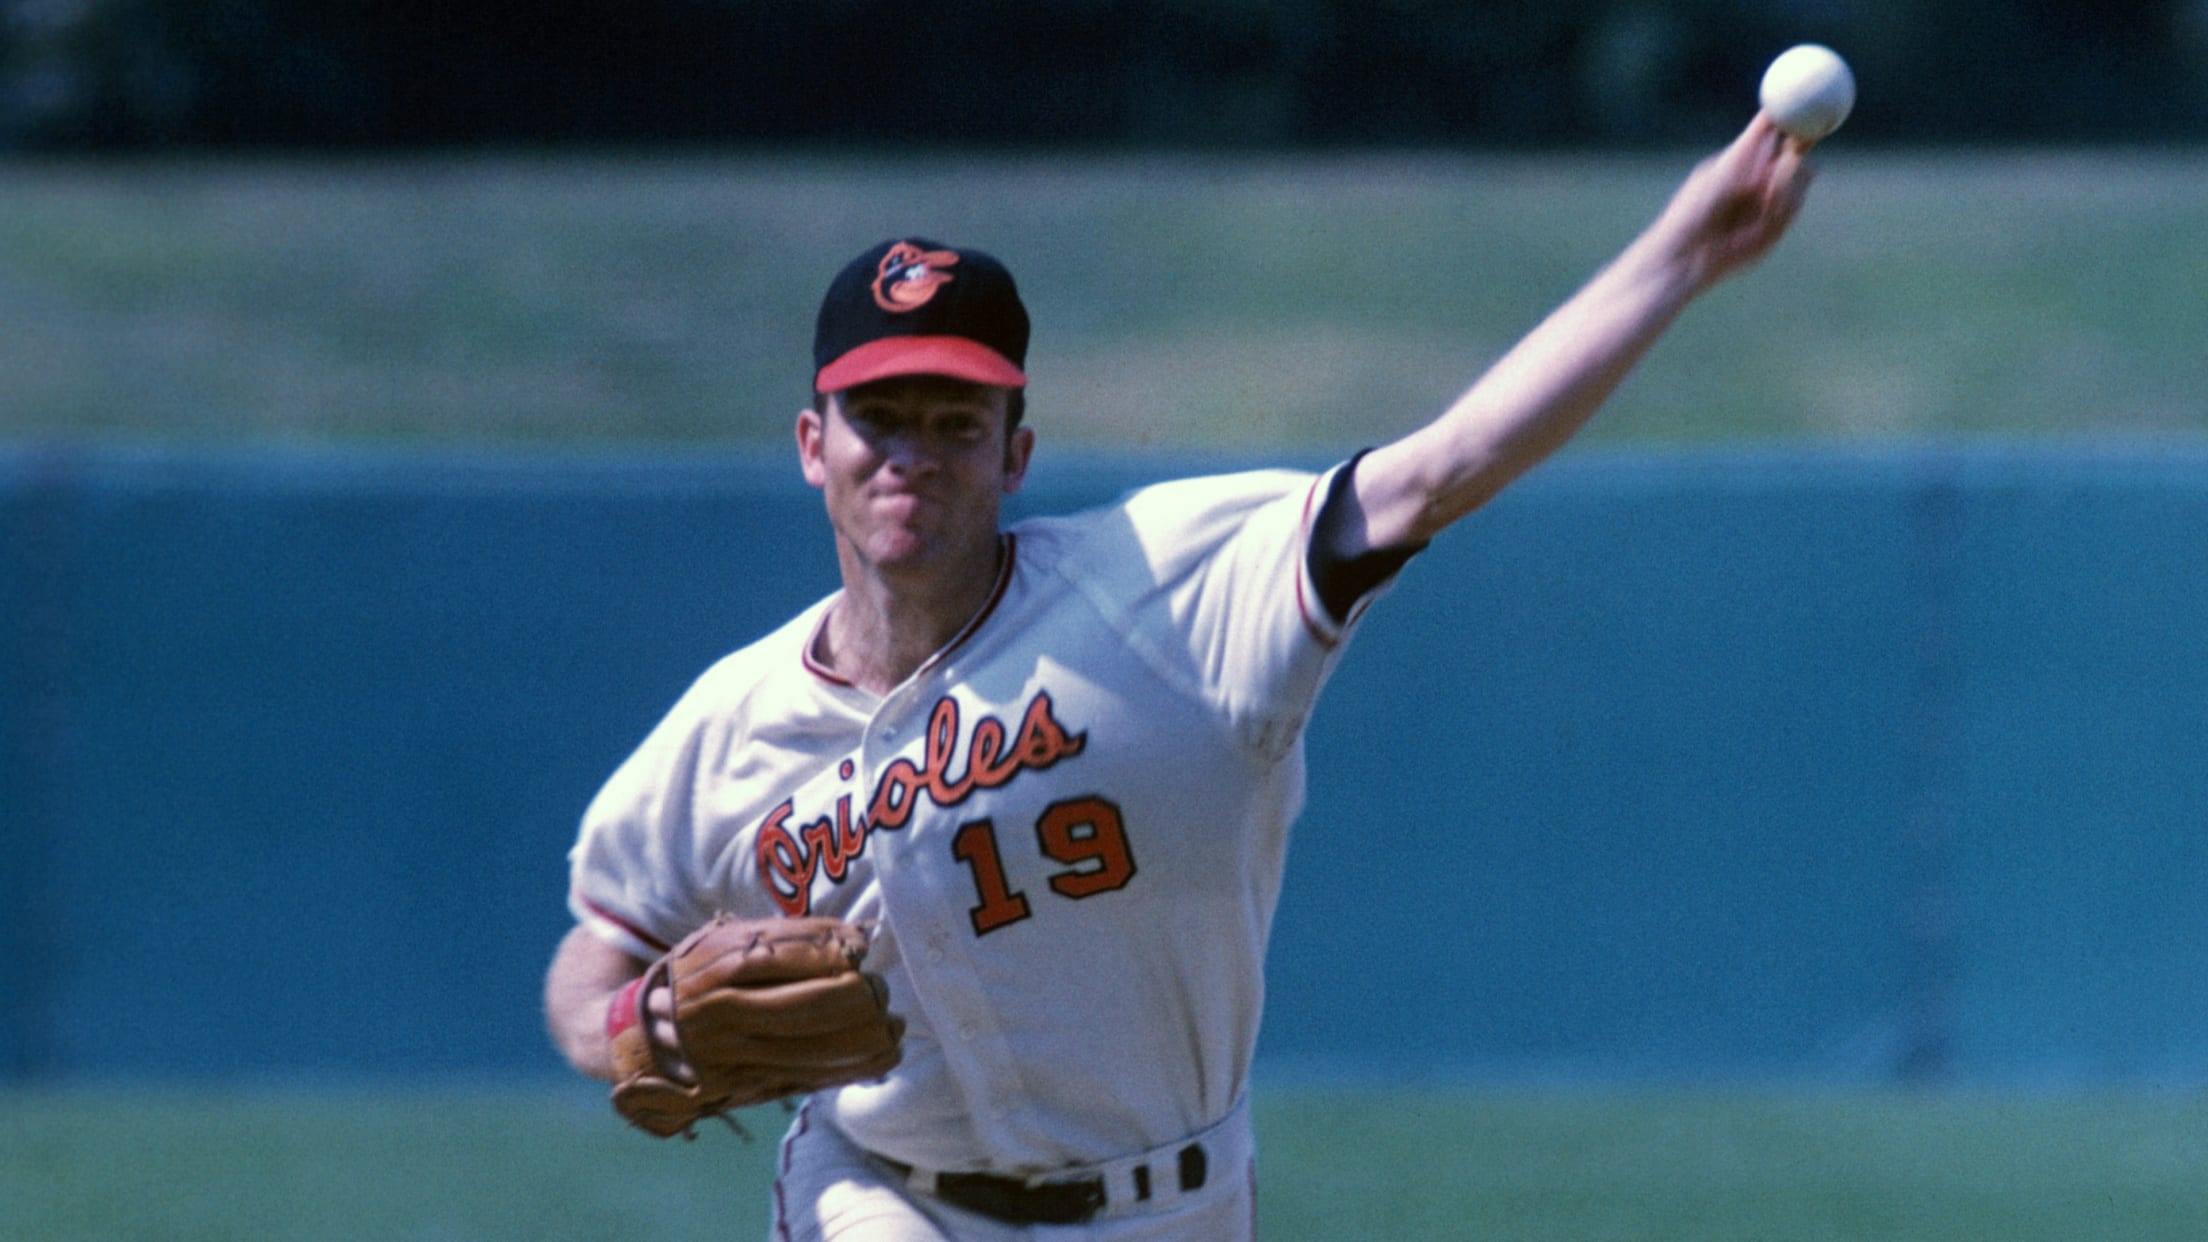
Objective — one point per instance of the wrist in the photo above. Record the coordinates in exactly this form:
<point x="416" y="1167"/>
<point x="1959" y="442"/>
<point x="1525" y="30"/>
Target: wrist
<point x="1666" y="271"/>
<point x="626" y="1007"/>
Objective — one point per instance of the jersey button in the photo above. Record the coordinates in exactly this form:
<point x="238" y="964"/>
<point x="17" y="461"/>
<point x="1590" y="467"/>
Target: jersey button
<point x="935" y="955"/>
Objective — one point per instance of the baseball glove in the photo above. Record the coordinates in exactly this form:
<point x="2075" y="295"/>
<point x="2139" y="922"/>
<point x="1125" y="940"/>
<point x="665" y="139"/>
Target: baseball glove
<point x="762" y="1009"/>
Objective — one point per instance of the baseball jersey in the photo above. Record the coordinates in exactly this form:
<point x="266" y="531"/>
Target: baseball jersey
<point x="1068" y="827"/>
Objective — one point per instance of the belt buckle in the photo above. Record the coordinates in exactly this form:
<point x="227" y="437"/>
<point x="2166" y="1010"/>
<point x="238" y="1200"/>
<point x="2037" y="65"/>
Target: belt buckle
<point x="1017" y="1202"/>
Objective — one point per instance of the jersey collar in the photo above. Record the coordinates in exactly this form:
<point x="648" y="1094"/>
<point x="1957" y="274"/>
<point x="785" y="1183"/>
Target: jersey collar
<point x="1007" y="547"/>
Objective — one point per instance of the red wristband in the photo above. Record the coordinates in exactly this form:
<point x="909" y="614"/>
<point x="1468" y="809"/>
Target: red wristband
<point x="626" y="1008"/>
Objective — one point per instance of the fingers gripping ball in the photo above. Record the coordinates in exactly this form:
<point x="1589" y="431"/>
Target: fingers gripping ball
<point x="1808" y="90"/>
<point x="762" y="1009"/>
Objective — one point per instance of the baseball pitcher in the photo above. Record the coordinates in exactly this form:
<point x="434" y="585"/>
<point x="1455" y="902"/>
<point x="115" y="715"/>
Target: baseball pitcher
<point x="977" y="856"/>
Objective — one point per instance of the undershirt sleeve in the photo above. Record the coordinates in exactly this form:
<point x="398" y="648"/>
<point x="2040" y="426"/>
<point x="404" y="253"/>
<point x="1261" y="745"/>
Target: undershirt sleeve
<point x="1343" y="579"/>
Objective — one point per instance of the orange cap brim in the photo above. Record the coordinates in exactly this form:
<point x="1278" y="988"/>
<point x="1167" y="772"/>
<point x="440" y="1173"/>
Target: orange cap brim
<point x="892" y="356"/>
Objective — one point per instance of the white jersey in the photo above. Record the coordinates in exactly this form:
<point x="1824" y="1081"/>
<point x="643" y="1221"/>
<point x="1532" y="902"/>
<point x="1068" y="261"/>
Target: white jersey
<point x="1069" y="826"/>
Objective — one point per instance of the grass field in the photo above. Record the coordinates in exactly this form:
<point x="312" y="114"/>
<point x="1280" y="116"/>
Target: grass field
<point x="1180" y="301"/>
<point x="1336" y="1165"/>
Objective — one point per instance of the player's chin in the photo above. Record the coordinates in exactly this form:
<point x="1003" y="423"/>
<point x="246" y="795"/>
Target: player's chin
<point x="905" y="547"/>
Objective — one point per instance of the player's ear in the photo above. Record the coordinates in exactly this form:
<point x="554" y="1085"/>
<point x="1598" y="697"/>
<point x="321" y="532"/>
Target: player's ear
<point x="1018" y="448"/>
<point x="812" y="426"/>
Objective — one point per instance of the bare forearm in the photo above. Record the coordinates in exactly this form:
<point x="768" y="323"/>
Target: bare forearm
<point x="1728" y="212"/>
<point x="585" y="974"/>
<point x="1539" y="395"/>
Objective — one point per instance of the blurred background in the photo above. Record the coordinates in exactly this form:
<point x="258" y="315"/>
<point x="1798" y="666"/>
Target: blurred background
<point x="159" y="75"/>
<point x="395" y="403"/>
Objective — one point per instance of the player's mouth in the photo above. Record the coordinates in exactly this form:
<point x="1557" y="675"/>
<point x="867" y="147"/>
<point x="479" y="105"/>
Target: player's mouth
<point x="907" y="509"/>
<point x="907" y="498"/>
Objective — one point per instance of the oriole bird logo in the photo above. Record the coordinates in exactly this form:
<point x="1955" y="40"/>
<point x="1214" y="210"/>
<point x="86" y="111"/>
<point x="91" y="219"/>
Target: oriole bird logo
<point x="909" y="276"/>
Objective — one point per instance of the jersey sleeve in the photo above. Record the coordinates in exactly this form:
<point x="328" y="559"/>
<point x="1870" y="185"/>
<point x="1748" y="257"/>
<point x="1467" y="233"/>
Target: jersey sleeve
<point x="1210" y="580"/>
<point x="637" y="866"/>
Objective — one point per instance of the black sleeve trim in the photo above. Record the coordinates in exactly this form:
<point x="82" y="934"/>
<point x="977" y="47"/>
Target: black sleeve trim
<point x="1343" y="579"/>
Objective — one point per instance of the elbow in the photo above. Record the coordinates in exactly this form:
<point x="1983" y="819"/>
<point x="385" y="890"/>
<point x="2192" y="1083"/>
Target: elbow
<point x="1435" y="480"/>
<point x="1446" y="501"/>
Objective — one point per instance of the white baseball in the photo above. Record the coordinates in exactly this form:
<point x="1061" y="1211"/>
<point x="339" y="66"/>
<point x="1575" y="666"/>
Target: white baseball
<point x="1808" y="90"/>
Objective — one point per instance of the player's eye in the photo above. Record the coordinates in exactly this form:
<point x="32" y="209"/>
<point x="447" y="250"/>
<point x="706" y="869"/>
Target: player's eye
<point x="874" y="421"/>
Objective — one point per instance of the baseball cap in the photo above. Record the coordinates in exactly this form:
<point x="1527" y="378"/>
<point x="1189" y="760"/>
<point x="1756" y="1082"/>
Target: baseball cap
<point x="910" y="306"/>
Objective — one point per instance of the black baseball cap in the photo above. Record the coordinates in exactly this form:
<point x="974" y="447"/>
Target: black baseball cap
<point x="910" y="306"/>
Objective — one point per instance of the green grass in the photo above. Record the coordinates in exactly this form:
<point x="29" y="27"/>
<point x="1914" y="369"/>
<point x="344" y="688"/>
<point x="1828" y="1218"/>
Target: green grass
<point x="1335" y="1165"/>
<point x="1320" y="301"/>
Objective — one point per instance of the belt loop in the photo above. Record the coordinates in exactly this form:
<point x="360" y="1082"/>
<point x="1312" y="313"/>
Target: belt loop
<point x="1192" y="1167"/>
<point x="1142" y="1183"/>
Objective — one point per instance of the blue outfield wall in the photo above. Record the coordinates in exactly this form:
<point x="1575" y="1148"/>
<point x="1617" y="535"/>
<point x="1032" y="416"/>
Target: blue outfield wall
<point x="1839" y="767"/>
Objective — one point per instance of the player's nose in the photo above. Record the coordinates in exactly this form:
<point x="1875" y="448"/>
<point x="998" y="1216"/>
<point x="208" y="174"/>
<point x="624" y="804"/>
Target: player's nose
<point x="914" y="451"/>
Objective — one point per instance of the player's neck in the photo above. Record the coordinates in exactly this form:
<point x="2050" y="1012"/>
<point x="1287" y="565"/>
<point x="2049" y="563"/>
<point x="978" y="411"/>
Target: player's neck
<point x="884" y="626"/>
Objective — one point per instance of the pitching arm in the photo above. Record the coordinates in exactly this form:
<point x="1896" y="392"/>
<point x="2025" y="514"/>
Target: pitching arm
<point x="1725" y="216"/>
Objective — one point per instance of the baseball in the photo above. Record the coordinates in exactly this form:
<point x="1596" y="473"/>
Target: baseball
<point x="1808" y="90"/>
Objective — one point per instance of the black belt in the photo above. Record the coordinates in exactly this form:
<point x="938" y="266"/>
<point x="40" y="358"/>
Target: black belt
<point x="1070" y="1202"/>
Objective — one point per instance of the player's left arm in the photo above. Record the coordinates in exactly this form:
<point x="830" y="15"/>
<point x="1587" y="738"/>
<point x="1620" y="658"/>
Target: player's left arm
<point x="1728" y="212"/>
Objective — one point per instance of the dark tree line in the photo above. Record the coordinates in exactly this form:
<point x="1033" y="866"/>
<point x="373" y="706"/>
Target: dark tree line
<point x="129" y="75"/>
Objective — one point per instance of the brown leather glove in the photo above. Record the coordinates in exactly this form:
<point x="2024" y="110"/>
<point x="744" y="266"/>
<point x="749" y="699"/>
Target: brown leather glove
<point x="763" y="1009"/>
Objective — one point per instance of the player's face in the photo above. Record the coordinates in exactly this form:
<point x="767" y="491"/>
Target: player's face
<point x="914" y="470"/>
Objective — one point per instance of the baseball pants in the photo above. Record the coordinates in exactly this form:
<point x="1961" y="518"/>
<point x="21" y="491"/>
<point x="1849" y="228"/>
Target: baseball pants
<point x="830" y="1190"/>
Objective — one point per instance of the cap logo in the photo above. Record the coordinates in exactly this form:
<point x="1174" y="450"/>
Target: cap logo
<point x="909" y="276"/>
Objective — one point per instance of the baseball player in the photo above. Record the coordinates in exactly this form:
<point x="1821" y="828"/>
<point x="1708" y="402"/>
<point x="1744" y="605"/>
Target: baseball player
<point x="1021" y="795"/>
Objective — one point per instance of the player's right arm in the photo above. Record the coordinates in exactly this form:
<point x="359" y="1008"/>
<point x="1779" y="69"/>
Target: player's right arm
<point x="633" y="890"/>
<point x="630" y="856"/>
<point x="586" y="974"/>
